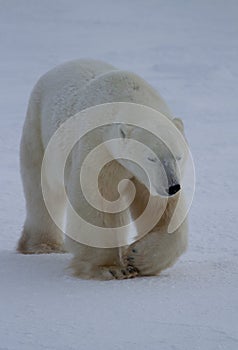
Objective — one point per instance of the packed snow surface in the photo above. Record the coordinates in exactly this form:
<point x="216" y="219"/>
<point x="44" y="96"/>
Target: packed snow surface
<point x="187" y="50"/>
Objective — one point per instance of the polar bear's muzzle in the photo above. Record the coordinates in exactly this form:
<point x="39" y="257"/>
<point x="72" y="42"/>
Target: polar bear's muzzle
<point x="173" y="189"/>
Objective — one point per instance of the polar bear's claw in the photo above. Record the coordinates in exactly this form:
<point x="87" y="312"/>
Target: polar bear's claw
<point x="41" y="248"/>
<point x="129" y="259"/>
<point x="123" y="273"/>
<point x="46" y="248"/>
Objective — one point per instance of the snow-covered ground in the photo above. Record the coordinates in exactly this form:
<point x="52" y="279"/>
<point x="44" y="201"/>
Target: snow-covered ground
<point x="188" y="50"/>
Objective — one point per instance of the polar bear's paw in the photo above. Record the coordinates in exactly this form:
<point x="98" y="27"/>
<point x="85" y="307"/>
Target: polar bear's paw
<point x="87" y="270"/>
<point x="140" y="261"/>
<point x="25" y="246"/>
<point x="132" y="256"/>
<point x="119" y="272"/>
<point x="42" y="248"/>
<point x="45" y="248"/>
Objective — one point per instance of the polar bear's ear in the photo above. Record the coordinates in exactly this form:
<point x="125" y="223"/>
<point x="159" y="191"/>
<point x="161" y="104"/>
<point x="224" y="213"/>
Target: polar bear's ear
<point x="125" y="130"/>
<point x="179" y="124"/>
<point x="122" y="131"/>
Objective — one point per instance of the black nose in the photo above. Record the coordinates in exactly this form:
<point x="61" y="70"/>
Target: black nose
<point x="174" y="189"/>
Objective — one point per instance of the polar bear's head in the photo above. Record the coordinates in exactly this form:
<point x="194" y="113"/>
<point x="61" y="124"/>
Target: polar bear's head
<point x="157" y="165"/>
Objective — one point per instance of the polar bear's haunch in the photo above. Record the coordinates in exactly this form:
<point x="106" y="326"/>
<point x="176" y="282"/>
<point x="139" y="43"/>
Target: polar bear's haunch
<point x="57" y="96"/>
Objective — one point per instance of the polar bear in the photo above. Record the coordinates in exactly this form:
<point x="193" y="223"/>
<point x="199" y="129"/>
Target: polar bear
<point x="58" y="95"/>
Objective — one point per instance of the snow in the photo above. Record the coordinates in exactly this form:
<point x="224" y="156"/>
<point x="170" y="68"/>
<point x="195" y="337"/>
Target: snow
<point x="188" y="51"/>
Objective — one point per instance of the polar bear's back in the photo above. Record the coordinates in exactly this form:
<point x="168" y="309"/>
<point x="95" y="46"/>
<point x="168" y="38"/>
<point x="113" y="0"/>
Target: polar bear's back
<point x="73" y="73"/>
<point x="56" y="95"/>
<point x="121" y="86"/>
<point x="76" y="85"/>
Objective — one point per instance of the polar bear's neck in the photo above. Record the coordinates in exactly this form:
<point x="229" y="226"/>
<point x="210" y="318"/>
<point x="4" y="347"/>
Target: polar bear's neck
<point x="108" y="181"/>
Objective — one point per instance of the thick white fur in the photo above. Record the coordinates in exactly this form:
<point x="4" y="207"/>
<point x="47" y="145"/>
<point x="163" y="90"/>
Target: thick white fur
<point x="59" y="94"/>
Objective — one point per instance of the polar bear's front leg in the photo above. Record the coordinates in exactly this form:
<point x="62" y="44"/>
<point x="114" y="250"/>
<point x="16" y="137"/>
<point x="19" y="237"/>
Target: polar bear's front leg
<point x="97" y="263"/>
<point x="40" y="234"/>
<point x="157" y="251"/>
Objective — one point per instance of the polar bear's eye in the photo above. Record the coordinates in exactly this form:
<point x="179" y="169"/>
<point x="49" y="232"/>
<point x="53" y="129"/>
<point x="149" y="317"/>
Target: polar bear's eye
<point x="178" y="158"/>
<point x="122" y="133"/>
<point x="152" y="159"/>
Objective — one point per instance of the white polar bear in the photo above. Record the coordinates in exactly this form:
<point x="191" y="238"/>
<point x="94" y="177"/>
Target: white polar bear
<point x="58" y="95"/>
